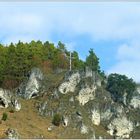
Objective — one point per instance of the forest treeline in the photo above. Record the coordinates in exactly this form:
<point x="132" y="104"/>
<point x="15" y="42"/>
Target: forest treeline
<point x="16" y="60"/>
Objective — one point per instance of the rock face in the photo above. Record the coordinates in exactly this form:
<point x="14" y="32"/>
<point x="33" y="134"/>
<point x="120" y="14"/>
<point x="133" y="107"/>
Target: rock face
<point x="106" y="115"/>
<point x="70" y="84"/>
<point x="83" y="103"/>
<point x="135" y="101"/>
<point x="12" y="134"/>
<point x="84" y="129"/>
<point x="5" y="98"/>
<point x="31" y="88"/>
<point x="86" y="94"/>
<point x="43" y="109"/>
<point x="120" y="127"/>
<point x="88" y="72"/>
<point x="96" y="117"/>
<point x="138" y="89"/>
<point x="16" y="104"/>
<point x="8" y="99"/>
<point x="65" y="121"/>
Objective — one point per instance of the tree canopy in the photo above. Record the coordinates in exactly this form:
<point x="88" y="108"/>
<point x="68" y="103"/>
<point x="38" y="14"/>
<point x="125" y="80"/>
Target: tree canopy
<point x="119" y="85"/>
<point x="16" y="60"/>
<point x="92" y="61"/>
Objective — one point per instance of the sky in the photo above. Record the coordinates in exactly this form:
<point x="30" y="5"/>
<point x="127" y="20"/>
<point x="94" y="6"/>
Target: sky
<point x="112" y="29"/>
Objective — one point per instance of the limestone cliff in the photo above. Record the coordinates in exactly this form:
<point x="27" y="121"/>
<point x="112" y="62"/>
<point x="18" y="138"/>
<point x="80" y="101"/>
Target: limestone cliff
<point x="83" y="102"/>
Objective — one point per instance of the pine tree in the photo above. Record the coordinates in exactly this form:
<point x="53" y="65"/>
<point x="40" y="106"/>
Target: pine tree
<point x="92" y="61"/>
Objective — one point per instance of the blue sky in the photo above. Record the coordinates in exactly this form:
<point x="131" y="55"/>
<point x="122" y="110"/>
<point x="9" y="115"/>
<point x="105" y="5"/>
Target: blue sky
<point x="112" y="29"/>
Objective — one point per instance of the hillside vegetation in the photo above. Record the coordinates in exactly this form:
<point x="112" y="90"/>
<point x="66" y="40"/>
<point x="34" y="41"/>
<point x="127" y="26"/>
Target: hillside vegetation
<point x="16" y="60"/>
<point x="41" y="97"/>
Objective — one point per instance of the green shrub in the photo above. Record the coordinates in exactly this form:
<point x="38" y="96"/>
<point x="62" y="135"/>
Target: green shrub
<point x="57" y="119"/>
<point x="4" y="116"/>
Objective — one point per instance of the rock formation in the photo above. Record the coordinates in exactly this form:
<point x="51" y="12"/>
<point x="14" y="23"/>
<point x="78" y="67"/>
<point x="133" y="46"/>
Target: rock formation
<point x="70" y="84"/>
<point x="7" y="99"/>
<point x="135" y="101"/>
<point x="31" y="88"/>
<point x="120" y="127"/>
<point x="84" y="102"/>
<point x="12" y="134"/>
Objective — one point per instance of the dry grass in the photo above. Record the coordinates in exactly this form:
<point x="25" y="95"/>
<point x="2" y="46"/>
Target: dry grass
<point x="28" y="123"/>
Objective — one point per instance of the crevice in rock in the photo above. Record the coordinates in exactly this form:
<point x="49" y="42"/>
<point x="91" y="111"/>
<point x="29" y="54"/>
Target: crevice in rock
<point x="34" y="95"/>
<point x="2" y="104"/>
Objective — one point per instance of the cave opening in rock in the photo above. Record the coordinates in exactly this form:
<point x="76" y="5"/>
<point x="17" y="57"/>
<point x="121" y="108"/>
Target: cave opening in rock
<point x="64" y="90"/>
<point x="2" y="104"/>
<point x="34" y="95"/>
<point x="64" y="123"/>
<point x="114" y="132"/>
<point x="78" y="113"/>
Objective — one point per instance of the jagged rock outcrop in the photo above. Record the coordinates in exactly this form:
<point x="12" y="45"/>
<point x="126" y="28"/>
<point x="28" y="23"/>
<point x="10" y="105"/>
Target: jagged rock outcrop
<point x="83" y="102"/>
<point x="84" y="129"/>
<point x="86" y="94"/>
<point x="120" y="127"/>
<point x="12" y="134"/>
<point x="76" y="92"/>
<point x="5" y="98"/>
<point x="16" y="104"/>
<point x="43" y="109"/>
<point x="135" y="101"/>
<point x="65" y="121"/>
<point x="96" y="118"/>
<point x="106" y="114"/>
<point x="31" y="88"/>
<point x="70" y="84"/>
<point x="94" y="75"/>
<point x="138" y="89"/>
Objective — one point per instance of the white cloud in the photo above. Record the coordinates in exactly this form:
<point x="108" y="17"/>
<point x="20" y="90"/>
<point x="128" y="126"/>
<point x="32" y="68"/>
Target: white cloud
<point x="129" y="61"/>
<point x="101" y="21"/>
<point x="131" y="52"/>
